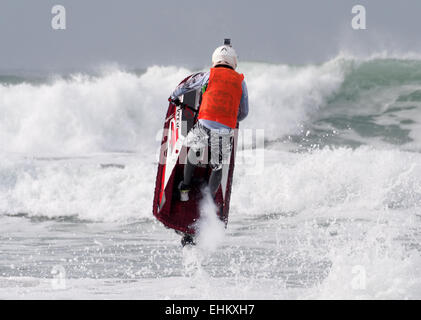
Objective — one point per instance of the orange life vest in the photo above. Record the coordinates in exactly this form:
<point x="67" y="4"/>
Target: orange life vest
<point x="222" y="97"/>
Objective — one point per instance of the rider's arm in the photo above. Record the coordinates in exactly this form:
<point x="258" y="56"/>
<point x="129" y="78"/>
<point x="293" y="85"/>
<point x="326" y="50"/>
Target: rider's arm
<point x="194" y="83"/>
<point x="244" y="103"/>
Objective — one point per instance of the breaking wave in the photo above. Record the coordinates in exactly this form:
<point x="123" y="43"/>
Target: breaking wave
<point x="365" y="112"/>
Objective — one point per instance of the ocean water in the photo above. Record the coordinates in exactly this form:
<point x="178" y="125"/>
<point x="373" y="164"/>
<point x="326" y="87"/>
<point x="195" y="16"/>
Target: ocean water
<point x="329" y="208"/>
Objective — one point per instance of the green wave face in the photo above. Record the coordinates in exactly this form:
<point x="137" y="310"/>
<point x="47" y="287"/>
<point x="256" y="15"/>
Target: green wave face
<point x="379" y="102"/>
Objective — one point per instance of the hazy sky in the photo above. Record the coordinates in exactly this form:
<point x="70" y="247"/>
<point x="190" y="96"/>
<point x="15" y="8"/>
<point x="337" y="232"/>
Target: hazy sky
<point x="136" y="34"/>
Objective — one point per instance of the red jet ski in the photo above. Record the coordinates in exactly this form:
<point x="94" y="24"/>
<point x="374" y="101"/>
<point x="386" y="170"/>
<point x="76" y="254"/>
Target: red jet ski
<point x="167" y="207"/>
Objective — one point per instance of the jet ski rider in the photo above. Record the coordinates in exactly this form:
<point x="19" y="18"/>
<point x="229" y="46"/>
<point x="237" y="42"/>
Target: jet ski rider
<point x="224" y="102"/>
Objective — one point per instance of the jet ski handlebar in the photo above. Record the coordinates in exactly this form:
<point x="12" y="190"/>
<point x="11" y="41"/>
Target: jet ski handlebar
<point x="183" y="105"/>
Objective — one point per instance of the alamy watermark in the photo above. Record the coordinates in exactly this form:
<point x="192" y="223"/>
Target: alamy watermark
<point x="58" y="22"/>
<point x="359" y="281"/>
<point x="359" y="21"/>
<point x="247" y="143"/>
<point x="58" y="282"/>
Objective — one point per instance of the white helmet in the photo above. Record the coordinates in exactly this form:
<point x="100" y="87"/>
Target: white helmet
<point x="224" y="55"/>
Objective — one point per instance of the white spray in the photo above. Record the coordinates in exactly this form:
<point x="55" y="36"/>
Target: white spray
<point x="210" y="232"/>
<point x="210" y="229"/>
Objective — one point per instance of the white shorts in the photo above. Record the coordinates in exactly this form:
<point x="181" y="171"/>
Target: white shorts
<point x="219" y="140"/>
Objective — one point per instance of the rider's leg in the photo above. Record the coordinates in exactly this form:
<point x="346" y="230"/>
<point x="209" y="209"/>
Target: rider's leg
<point x="184" y="186"/>
<point x="214" y="181"/>
<point x="221" y="144"/>
<point x="196" y="140"/>
<point x="189" y="167"/>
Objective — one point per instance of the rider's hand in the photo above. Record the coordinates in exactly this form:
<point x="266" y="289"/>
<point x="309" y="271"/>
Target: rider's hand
<point x="175" y="101"/>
